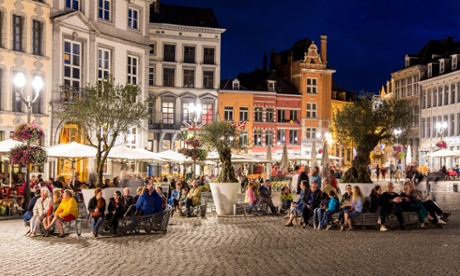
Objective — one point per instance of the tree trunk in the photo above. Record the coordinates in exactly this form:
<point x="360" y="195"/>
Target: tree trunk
<point x="227" y="173"/>
<point x="359" y="171"/>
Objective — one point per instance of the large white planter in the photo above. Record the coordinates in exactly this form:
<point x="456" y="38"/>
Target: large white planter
<point x="224" y="195"/>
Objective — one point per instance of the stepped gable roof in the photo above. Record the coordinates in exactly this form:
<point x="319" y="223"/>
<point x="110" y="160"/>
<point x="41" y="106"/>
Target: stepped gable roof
<point x="182" y="15"/>
<point x="298" y="49"/>
<point x="443" y="48"/>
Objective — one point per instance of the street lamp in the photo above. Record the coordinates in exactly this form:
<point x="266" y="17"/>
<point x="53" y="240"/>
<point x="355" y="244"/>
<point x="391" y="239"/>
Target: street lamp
<point x="37" y="84"/>
<point x="397" y="132"/>
<point x="440" y="127"/>
<point x="195" y="111"/>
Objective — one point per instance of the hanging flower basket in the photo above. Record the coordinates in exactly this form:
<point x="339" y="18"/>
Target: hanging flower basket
<point x="441" y="144"/>
<point x="28" y="132"/>
<point x="193" y="150"/>
<point x="397" y="147"/>
<point x="24" y="155"/>
<point x="320" y="151"/>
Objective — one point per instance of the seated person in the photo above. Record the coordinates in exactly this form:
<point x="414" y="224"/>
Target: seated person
<point x="96" y="209"/>
<point x="327" y="187"/>
<point x="332" y="208"/>
<point x="40" y="210"/>
<point x="311" y="200"/>
<point x="163" y="198"/>
<point x="374" y="199"/>
<point x="390" y="202"/>
<point x="139" y="192"/>
<point x="30" y="211"/>
<point x="149" y="202"/>
<point x="127" y="197"/>
<point x="55" y="201"/>
<point x="67" y="211"/>
<point x="116" y="211"/>
<point x="265" y="196"/>
<point x="193" y="197"/>
<point x="318" y="213"/>
<point x="183" y="197"/>
<point x="175" y="196"/>
<point x="356" y="207"/>
<point x="409" y="204"/>
<point x="297" y="207"/>
<point x="286" y="199"/>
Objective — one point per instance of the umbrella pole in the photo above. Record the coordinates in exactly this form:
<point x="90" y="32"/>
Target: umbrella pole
<point x="73" y="173"/>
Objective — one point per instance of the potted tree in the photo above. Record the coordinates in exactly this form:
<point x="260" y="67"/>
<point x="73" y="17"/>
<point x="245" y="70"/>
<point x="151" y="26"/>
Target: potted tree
<point x="223" y="137"/>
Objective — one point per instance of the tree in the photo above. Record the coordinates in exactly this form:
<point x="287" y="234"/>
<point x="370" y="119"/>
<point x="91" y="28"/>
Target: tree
<point x="105" y="111"/>
<point x="223" y="137"/>
<point x="366" y="123"/>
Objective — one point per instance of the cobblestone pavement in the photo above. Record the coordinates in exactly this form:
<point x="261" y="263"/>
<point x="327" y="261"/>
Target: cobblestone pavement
<point x="238" y="246"/>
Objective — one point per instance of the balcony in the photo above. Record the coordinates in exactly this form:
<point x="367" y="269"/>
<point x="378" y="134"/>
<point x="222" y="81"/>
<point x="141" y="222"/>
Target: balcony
<point x="160" y="126"/>
<point x="68" y="94"/>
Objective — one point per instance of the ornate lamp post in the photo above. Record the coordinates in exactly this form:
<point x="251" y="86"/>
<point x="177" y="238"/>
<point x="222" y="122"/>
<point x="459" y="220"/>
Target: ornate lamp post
<point x="440" y="127"/>
<point x="397" y="132"/>
<point x="195" y="111"/>
<point x="37" y="84"/>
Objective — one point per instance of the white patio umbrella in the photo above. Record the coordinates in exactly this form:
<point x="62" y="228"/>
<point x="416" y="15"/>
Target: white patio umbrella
<point x="172" y="156"/>
<point x="71" y="151"/>
<point x="444" y="153"/>
<point x="325" y="156"/>
<point x="313" y="154"/>
<point x="284" y="160"/>
<point x="409" y="156"/>
<point x="269" y="163"/>
<point x="5" y="148"/>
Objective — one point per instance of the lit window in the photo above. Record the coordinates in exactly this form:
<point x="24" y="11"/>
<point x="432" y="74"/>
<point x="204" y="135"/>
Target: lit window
<point x="103" y="63"/>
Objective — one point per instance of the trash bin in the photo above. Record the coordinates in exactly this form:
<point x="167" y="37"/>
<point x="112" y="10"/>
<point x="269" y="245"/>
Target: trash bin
<point x="455" y="188"/>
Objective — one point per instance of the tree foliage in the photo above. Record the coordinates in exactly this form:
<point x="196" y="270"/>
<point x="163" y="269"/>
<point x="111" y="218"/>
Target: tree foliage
<point x="105" y="111"/>
<point x="222" y="137"/>
<point x="364" y="125"/>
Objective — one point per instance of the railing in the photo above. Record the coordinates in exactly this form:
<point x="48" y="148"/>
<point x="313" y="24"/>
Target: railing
<point x="69" y="94"/>
<point x="156" y="126"/>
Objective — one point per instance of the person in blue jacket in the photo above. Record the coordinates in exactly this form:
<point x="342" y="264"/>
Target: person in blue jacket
<point x="332" y="207"/>
<point x="149" y="202"/>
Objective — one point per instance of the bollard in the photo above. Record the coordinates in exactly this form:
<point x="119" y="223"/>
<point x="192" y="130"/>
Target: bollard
<point x="455" y="188"/>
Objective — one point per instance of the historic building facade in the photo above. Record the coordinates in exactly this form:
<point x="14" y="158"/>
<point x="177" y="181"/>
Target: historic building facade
<point x="184" y="68"/>
<point x="25" y="47"/>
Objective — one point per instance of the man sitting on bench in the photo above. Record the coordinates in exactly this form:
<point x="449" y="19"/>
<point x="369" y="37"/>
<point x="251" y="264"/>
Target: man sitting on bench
<point x="265" y="192"/>
<point x="149" y="202"/>
<point x="391" y="203"/>
<point x="193" y="197"/>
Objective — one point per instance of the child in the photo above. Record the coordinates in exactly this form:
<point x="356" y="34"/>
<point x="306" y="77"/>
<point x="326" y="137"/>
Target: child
<point x="318" y="212"/>
<point x="251" y="197"/>
<point x="286" y="199"/>
<point x="332" y="207"/>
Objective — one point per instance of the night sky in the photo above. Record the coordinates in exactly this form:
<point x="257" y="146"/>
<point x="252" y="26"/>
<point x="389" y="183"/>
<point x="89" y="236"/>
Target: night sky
<point x="367" y="39"/>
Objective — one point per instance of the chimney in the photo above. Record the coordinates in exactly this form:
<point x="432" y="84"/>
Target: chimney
<point x="324" y="49"/>
<point x="265" y="62"/>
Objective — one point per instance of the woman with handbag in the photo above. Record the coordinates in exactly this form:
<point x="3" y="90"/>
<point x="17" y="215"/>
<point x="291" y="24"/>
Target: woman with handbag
<point x="116" y="210"/>
<point x="96" y="209"/>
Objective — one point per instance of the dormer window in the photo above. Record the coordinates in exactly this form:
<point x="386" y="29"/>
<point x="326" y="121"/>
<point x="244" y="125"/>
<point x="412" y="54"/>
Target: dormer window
<point x="271" y="85"/>
<point x="454" y="62"/>
<point x="441" y="66"/>
<point x="430" y="70"/>
<point x="236" y="85"/>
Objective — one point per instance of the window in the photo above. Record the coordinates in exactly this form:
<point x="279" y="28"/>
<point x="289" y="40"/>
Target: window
<point x="441" y="66"/>
<point x="312" y="86"/>
<point x="311" y="110"/>
<point x="186" y="113"/>
<point x="430" y="70"/>
<point x="293" y="115"/>
<point x="446" y="95"/>
<point x="271" y="85"/>
<point x="281" y="115"/>
<point x="17" y="101"/>
<point x="72" y="63"/>
<point x="151" y="108"/>
<point x="452" y="124"/>
<point x="258" y="114"/>
<point x="452" y="94"/>
<point x="440" y="97"/>
<point x="228" y="113"/>
<point x="208" y="112"/>
<point x="189" y="78"/>
<point x="244" y="113"/>
<point x="269" y="115"/>
<point x="131" y="137"/>
<point x="434" y="134"/>
<point x="244" y="137"/>
<point x="103" y="63"/>
<point x="257" y="137"/>
<point x="168" y="77"/>
<point x="152" y="49"/>
<point x="17" y="32"/>
<point x="151" y="76"/>
<point x="428" y="127"/>
<point x="454" y="62"/>
<point x="281" y="136"/>
<point x="423" y="128"/>
<point x="72" y="4"/>
<point x="293" y="137"/>
<point x="311" y="133"/>
<point x="133" y="65"/>
<point x="208" y="79"/>
<point x="37" y="29"/>
<point x="133" y="18"/>
<point x="416" y="116"/>
<point x="167" y="109"/>
<point x="435" y="97"/>
<point x="236" y="85"/>
<point x="189" y="54"/>
<point x="428" y="101"/>
<point x="2" y="24"/>
<point x="169" y="52"/>
<point x="104" y="9"/>
<point x="269" y="137"/>
<point x="208" y="56"/>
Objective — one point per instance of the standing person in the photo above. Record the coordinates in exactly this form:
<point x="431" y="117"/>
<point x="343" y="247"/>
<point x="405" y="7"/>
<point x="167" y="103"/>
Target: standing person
<point x="116" y="211"/>
<point x="332" y="179"/>
<point x="303" y="176"/>
<point x="384" y="172"/>
<point x="265" y="192"/>
<point x="377" y="172"/>
<point x="315" y="177"/>
<point x="96" y="209"/>
<point x="251" y="197"/>
<point x="392" y="170"/>
<point x="310" y="200"/>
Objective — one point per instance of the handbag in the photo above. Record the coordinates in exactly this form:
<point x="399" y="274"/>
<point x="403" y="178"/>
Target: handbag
<point x="95" y="214"/>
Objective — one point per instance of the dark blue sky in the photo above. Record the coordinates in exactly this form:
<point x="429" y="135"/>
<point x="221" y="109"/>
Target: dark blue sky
<point x="367" y="39"/>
